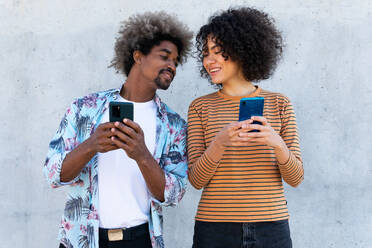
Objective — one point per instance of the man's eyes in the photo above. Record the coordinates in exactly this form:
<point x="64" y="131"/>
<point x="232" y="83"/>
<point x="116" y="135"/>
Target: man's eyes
<point x="165" y="58"/>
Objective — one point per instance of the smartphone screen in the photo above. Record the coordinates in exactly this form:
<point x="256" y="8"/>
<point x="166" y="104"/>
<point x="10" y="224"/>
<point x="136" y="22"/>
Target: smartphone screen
<point x="120" y="110"/>
<point x="252" y="106"/>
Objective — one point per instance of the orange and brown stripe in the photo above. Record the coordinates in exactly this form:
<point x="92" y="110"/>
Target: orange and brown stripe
<point x="246" y="184"/>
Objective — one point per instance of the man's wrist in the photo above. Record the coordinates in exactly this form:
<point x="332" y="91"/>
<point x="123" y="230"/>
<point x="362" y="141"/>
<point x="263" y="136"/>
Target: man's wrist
<point x="89" y="146"/>
<point x="144" y="158"/>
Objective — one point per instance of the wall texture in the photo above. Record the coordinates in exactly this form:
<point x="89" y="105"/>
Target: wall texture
<point x="54" y="51"/>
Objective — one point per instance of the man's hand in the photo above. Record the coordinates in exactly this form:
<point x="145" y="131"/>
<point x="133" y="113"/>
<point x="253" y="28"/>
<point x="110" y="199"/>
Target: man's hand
<point x="130" y="138"/>
<point x="101" y="141"/>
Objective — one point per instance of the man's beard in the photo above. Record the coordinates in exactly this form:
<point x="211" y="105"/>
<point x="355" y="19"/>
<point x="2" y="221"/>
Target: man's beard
<point x="161" y="83"/>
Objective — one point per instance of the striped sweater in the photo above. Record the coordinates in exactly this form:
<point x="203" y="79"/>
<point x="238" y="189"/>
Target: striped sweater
<point x="245" y="185"/>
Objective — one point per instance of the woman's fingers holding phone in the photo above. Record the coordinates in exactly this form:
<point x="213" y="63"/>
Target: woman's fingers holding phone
<point x="228" y="133"/>
<point x="261" y="119"/>
<point x="244" y="132"/>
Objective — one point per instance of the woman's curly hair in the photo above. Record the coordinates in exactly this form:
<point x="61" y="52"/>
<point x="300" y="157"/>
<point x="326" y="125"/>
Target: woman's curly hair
<point x="144" y="31"/>
<point x="245" y="35"/>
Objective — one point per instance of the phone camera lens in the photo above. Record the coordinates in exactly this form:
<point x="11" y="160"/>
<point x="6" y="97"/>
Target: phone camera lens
<point x="116" y="111"/>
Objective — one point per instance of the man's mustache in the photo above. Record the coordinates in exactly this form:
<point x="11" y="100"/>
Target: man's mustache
<point x="169" y="70"/>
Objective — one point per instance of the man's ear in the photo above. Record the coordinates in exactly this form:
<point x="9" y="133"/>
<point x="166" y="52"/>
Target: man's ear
<point x="137" y="56"/>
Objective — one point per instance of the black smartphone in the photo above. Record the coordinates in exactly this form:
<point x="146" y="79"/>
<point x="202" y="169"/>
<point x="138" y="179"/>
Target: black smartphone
<point x="251" y="106"/>
<point x="120" y="110"/>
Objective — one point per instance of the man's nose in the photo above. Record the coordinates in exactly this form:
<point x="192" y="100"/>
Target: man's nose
<point x="172" y="66"/>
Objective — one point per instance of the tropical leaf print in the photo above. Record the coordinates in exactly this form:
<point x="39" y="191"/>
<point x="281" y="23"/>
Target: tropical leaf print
<point x="95" y="184"/>
<point x="83" y="127"/>
<point x="66" y="243"/>
<point x="183" y="135"/>
<point x="89" y="101"/>
<point x="57" y="144"/>
<point x="90" y="233"/>
<point x="173" y="194"/>
<point x="83" y="241"/>
<point x="88" y="239"/>
<point x="63" y="124"/>
<point x="175" y="157"/>
<point x="159" y="241"/>
<point x="85" y="209"/>
<point x="46" y="161"/>
<point x="73" y="209"/>
<point x="174" y="119"/>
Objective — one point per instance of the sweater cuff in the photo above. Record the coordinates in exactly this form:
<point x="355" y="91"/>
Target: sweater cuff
<point x="214" y="151"/>
<point x="289" y="162"/>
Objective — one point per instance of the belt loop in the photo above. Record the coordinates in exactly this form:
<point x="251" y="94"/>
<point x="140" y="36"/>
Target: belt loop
<point x="127" y="234"/>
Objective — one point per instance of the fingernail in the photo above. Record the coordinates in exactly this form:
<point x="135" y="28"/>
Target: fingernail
<point x="116" y="123"/>
<point x="112" y="129"/>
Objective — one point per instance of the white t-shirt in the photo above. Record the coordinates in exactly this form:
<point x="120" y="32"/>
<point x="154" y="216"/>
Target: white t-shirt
<point x="124" y="200"/>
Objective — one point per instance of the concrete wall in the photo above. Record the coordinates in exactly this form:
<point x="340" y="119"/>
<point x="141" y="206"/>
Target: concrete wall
<point x="54" y="51"/>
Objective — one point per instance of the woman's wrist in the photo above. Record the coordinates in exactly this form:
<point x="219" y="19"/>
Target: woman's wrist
<point x="282" y="153"/>
<point x="215" y="150"/>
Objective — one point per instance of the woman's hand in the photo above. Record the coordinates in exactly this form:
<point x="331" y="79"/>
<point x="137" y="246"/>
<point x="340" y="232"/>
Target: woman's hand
<point x="266" y="135"/>
<point x="229" y="135"/>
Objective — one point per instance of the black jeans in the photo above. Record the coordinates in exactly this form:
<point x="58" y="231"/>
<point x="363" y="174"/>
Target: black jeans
<point x="139" y="242"/>
<point x="242" y="235"/>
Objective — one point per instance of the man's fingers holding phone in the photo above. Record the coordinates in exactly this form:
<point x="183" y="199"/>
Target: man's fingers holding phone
<point x="100" y="140"/>
<point x="133" y="125"/>
<point x="125" y="129"/>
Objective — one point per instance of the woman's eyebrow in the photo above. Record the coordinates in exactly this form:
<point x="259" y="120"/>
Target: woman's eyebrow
<point x="214" y="47"/>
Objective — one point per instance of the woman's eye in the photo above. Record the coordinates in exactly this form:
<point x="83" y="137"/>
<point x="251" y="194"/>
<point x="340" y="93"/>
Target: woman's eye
<point x="164" y="57"/>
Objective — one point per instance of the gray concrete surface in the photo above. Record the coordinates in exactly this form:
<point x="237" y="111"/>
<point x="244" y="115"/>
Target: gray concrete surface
<point x="54" y="51"/>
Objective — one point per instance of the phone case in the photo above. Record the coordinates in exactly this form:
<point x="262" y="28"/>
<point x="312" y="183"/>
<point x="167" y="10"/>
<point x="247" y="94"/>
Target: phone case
<point x="120" y="110"/>
<point x="249" y="107"/>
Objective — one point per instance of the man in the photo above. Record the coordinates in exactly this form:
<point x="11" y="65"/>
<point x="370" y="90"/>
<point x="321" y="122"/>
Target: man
<point x="120" y="174"/>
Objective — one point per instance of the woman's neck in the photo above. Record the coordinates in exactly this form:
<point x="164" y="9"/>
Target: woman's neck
<point x="238" y="88"/>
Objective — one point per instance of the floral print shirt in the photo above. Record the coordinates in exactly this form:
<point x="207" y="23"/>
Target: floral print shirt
<point x="80" y="221"/>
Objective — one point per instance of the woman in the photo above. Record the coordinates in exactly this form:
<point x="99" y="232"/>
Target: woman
<point x="241" y="172"/>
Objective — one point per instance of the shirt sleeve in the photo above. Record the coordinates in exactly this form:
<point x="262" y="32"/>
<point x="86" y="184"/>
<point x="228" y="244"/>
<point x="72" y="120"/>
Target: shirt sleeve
<point x="292" y="171"/>
<point x="201" y="165"/>
<point x="64" y="141"/>
<point x="174" y="165"/>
